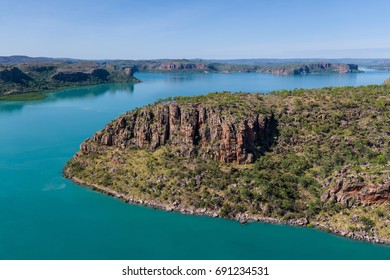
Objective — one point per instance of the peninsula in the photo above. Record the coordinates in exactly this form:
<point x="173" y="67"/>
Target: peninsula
<point x="316" y="158"/>
<point x="28" y="81"/>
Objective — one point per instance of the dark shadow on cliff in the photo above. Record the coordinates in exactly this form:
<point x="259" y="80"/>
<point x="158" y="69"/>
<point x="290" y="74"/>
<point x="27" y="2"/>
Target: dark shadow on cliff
<point x="271" y="137"/>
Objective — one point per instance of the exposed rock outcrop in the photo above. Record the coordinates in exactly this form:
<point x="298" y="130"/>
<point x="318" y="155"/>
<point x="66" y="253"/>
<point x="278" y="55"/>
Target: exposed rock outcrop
<point x="192" y="128"/>
<point x="185" y="65"/>
<point x="350" y="189"/>
<point x="173" y="66"/>
<point x="320" y="67"/>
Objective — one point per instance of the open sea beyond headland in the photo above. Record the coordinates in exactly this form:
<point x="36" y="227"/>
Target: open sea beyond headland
<point x="44" y="216"/>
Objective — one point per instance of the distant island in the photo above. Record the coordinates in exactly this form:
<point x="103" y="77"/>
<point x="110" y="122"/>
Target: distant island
<point x="316" y="158"/>
<point x="185" y="65"/>
<point x="26" y="78"/>
<point x="382" y="64"/>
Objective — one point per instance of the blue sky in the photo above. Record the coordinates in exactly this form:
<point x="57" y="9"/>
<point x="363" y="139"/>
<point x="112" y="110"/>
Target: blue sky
<point x="147" y="29"/>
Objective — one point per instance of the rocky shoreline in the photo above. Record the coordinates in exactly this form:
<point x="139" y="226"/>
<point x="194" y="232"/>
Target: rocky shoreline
<point x="242" y="217"/>
<point x="249" y="157"/>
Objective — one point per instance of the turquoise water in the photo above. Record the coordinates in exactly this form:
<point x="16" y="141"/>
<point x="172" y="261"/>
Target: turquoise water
<point x="44" y="216"/>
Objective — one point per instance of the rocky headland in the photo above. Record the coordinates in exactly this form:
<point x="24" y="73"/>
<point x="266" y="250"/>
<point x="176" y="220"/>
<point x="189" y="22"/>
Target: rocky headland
<point x="317" y="158"/>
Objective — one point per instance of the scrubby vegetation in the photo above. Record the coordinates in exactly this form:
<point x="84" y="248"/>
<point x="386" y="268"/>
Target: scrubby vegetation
<point x="30" y="81"/>
<point x="235" y="104"/>
<point x="23" y="97"/>
<point x="318" y="133"/>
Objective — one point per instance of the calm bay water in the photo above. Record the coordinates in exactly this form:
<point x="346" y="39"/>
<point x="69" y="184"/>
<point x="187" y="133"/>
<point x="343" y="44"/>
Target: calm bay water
<point x="44" y="216"/>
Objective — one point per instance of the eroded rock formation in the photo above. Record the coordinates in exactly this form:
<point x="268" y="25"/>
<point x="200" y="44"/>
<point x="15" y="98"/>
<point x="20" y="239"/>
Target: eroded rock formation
<point x="365" y="188"/>
<point x="191" y="129"/>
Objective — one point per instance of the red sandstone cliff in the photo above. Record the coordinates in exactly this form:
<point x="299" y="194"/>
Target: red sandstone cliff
<point x="193" y="129"/>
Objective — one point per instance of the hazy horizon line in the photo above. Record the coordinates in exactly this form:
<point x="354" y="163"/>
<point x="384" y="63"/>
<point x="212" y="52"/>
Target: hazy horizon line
<point x="200" y="58"/>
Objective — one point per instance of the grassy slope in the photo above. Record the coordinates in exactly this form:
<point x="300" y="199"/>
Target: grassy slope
<point x="319" y="132"/>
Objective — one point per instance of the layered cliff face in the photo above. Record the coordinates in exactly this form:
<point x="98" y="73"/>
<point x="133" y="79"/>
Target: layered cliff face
<point x="184" y="66"/>
<point x="214" y="67"/>
<point x="320" y="67"/>
<point x="170" y="66"/>
<point x="227" y="134"/>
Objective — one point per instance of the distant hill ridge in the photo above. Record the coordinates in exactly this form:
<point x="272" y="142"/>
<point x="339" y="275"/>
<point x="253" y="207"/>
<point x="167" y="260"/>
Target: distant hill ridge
<point x="37" y="77"/>
<point x="291" y="66"/>
<point x="16" y="59"/>
<point x="34" y="75"/>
